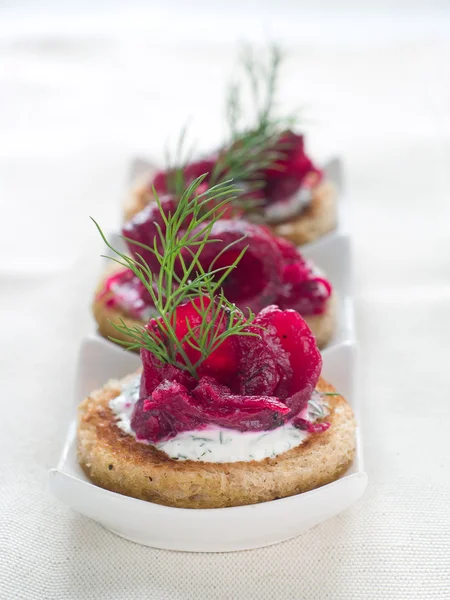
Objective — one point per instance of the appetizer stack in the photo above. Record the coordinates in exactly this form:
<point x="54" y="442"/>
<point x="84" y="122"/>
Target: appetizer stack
<point x="228" y="406"/>
<point x="277" y="182"/>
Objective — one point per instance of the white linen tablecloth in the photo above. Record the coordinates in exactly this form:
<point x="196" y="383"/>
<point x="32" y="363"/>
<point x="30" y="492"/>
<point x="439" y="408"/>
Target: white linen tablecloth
<point x="73" y="111"/>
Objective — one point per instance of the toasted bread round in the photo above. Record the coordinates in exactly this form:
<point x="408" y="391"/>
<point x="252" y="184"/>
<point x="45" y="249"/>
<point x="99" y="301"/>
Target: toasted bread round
<point x="322" y="326"/>
<point x="115" y="461"/>
<point x="317" y="219"/>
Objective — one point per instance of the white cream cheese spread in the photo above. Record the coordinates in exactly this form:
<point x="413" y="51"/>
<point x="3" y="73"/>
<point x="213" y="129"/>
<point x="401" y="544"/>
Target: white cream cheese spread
<point x="217" y="444"/>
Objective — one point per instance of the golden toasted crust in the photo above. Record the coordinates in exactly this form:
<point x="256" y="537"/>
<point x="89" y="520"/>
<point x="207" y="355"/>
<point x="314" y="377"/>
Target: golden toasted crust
<point x="322" y="326"/>
<point x="117" y="462"/>
<point x="318" y="218"/>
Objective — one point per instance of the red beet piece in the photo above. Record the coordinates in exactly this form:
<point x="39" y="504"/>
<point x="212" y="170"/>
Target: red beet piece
<point x="288" y="250"/>
<point x="170" y="409"/>
<point x="287" y="178"/>
<point x="197" y="168"/>
<point x="254" y="283"/>
<point x="154" y="372"/>
<point x="142" y="228"/>
<point x="222" y="363"/>
<point x="264" y="368"/>
<point x="239" y="411"/>
<point x="304" y="357"/>
<point x="302" y="289"/>
<point x="271" y="271"/>
<point x="161" y="180"/>
<point x="275" y="376"/>
<point x="311" y="427"/>
<point x="160" y="183"/>
<point x="173" y="408"/>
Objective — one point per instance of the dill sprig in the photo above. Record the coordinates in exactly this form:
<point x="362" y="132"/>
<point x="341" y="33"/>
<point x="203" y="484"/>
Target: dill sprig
<point x="260" y="75"/>
<point x="254" y="143"/>
<point x="245" y="159"/>
<point x="175" y="165"/>
<point x="182" y="278"/>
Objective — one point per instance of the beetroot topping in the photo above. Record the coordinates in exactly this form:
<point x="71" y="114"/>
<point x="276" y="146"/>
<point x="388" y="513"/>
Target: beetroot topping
<point x="264" y="367"/>
<point x="298" y="343"/>
<point x="172" y="409"/>
<point x="291" y="173"/>
<point x="303" y="289"/>
<point x="143" y="229"/>
<point x="197" y="168"/>
<point x="162" y="179"/>
<point x="223" y="361"/>
<point x="159" y="182"/>
<point x="255" y="281"/>
<point x="311" y="427"/>
<point x="272" y="270"/>
<point x="288" y="251"/>
<point x="249" y="383"/>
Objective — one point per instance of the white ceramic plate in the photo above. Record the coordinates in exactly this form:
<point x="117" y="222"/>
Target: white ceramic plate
<point x="210" y="530"/>
<point x="227" y="529"/>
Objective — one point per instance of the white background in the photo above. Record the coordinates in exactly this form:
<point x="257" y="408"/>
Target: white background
<point x="85" y="86"/>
